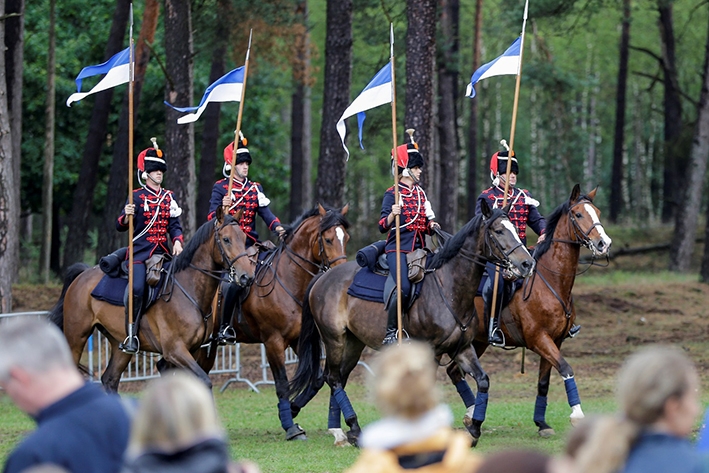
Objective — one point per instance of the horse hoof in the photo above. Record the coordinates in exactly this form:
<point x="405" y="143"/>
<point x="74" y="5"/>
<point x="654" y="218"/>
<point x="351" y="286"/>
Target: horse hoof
<point x="340" y="437"/>
<point x="575" y="421"/>
<point x="474" y="443"/>
<point x="546" y="433"/>
<point x="353" y="438"/>
<point x="473" y="428"/>
<point x="467" y="421"/>
<point x="295" y="433"/>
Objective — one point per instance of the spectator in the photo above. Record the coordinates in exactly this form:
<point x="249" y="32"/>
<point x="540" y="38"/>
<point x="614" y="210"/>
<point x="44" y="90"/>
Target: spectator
<point x="416" y="433"/>
<point x="79" y="427"/>
<point x="517" y="461"/>
<point x="176" y="430"/>
<point x="658" y="397"/>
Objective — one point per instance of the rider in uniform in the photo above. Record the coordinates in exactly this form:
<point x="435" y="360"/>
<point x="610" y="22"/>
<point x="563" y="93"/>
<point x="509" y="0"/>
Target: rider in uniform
<point x="156" y="217"/>
<point x="523" y="212"/>
<point x="416" y="219"/>
<point x="249" y="197"/>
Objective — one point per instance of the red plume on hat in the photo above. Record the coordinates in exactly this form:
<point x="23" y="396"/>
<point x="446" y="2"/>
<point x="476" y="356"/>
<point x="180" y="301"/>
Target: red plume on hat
<point x="151" y="159"/>
<point x="242" y="153"/>
<point x="408" y="155"/>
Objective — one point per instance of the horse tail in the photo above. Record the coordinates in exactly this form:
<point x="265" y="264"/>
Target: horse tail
<point x="309" y="349"/>
<point x="56" y="315"/>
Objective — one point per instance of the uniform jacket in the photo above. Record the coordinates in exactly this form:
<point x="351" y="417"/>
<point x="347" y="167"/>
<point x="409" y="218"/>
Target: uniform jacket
<point x="207" y="456"/>
<point x="656" y="452"/>
<point x="523" y="209"/>
<point x="85" y="432"/>
<point x="156" y="218"/>
<point x="249" y="196"/>
<point x="416" y="214"/>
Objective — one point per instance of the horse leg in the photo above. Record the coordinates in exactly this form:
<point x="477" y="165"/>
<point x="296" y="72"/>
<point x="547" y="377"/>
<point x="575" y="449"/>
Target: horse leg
<point x="352" y="353"/>
<point x="116" y="366"/>
<point x="469" y="363"/>
<point x="275" y="353"/>
<point x="457" y="377"/>
<point x="177" y="355"/>
<point x="549" y="350"/>
<point x="540" y="406"/>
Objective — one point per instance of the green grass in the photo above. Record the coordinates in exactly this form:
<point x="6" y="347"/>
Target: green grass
<point x="604" y="278"/>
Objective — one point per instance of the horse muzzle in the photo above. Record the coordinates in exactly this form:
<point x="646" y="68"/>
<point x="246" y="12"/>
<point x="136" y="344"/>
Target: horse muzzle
<point x="245" y="280"/>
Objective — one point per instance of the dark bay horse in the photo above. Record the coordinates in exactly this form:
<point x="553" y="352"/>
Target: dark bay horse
<point x="542" y="311"/>
<point x="271" y="313"/>
<point x="179" y="322"/>
<point x="442" y="315"/>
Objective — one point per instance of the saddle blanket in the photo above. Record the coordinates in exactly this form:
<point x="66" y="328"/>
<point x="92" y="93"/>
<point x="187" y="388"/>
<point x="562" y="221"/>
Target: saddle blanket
<point x="113" y="290"/>
<point x="369" y="286"/>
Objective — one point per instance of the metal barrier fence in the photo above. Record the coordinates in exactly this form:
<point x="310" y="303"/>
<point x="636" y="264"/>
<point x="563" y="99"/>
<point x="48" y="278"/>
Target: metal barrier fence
<point x="143" y="366"/>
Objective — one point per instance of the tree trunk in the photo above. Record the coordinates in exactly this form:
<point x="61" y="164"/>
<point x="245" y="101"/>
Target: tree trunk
<point x="300" y="117"/>
<point x="179" y="139"/>
<point x="675" y="158"/>
<point x="616" y="199"/>
<point x="211" y="153"/>
<point x="48" y="171"/>
<point x="109" y="239"/>
<point x="9" y="204"/>
<point x="82" y="202"/>
<point x="330" y="184"/>
<point x="448" y="114"/>
<point x="14" y="42"/>
<point x="687" y="215"/>
<point x="420" y="63"/>
<point x="473" y="130"/>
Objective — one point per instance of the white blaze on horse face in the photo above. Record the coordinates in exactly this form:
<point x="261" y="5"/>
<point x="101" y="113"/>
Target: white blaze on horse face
<point x="508" y="225"/>
<point x="599" y="228"/>
<point x="340" y="234"/>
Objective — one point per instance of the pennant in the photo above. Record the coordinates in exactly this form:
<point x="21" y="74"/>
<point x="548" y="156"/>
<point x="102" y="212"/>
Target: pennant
<point x="117" y="70"/>
<point x="225" y="89"/>
<point x="377" y="92"/>
<point x="507" y="64"/>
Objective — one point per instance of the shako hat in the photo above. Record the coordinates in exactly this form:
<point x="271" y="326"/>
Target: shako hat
<point x="242" y="153"/>
<point x="151" y="159"/>
<point x="408" y="155"/>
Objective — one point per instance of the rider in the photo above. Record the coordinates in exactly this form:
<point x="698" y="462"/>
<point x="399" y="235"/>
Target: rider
<point x="416" y="219"/>
<point x="248" y="196"/>
<point x="157" y="218"/>
<point x="523" y="212"/>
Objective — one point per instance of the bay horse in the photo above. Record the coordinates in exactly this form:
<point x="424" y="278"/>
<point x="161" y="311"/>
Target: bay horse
<point x="542" y="311"/>
<point x="271" y="313"/>
<point x="181" y="319"/>
<point x="442" y="315"/>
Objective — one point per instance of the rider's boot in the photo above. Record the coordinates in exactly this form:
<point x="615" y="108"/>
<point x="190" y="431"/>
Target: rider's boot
<point x="232" y="303"/>
<point x="131" y="345"/>
<point x="495" y="336"/>
<point x="390" y="337"/>
<point x="573" y="331"/>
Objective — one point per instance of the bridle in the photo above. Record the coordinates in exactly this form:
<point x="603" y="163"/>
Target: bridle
<point x="581" y="237"/>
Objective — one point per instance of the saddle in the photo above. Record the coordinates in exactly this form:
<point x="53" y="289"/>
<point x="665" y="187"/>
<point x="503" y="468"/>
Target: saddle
<point x="115" y="265"/>
<point x="374" y="258"/>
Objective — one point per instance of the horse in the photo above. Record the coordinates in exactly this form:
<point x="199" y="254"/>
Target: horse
<point x="442" y="315"/>
<point x="271" y="313"/>
<point x="180" y="320"/>
<point x="542" y="311"/>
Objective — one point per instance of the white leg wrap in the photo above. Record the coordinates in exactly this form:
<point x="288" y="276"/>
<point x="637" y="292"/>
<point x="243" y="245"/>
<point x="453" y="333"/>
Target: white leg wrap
<point x="340" y="437"/>
<point x="576" y="414"/>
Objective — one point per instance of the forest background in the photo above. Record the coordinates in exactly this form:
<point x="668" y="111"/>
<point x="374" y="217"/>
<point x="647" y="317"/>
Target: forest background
<point x="613" y="94"/>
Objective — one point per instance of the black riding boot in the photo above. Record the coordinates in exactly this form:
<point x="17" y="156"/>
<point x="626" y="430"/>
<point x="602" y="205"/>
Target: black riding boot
<point x="495" y="336"/>
<point x="131" y="345"/>
<point x="390" y="337"/>
<point x="232" y="304"/>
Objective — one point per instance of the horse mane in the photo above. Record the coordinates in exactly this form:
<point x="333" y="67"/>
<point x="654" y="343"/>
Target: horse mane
<point x="331" y="218"/>
<point x="451" y="247"/>
<point x="201" y="236"/>
<point x="552" y="222"/>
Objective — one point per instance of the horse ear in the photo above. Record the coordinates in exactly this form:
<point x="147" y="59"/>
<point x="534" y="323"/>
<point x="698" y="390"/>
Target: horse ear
<point x="485" y="208"/>
<point x="321" y="209"/>
<point x="575" y="193"/>
<point x="219" y="214"/>
<point x="345" y="209"/>
<point x="592" y="195"/>
<point x="237" y="214"/>
<point x="507" y="208"/>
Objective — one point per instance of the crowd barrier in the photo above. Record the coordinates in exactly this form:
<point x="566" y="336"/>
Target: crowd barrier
<point x="143" y="366"/>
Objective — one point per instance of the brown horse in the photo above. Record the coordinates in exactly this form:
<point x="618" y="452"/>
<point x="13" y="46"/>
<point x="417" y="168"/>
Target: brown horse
<point x="542" y="311"/>
<point x="442" y="315"/>
<point x="179" y="322"/>
<point x="271" y="313"/>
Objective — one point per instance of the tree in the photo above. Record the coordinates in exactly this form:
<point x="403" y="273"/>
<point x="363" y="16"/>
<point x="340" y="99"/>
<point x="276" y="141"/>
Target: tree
<point x="48" y="171"/>
<point x="682" y="246"/>
<point x="116" y="193"/>
<point x="616" y="201"/>
<point x="448" y="114"/>
<point x="179" y="139"/>
<point x="330" y="184"/>
<point x="420" y="57"/>
<point x="472" y="186"/>
<point x="75" y="246"/>
<point x="9" y="204"/>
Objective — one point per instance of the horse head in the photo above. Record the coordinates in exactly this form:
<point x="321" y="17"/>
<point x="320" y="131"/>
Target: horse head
<point x="502" y="244"/>
<point x="230" y="247"/>
<point x="330" y="248"/>
<point x="584" y="218"/>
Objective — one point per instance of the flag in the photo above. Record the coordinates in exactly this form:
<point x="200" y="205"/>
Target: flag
<point x="377" y="92"/>
<point x="117" y="70"/>
<point x="225" y="89"/>
<point x="507" y="64"/>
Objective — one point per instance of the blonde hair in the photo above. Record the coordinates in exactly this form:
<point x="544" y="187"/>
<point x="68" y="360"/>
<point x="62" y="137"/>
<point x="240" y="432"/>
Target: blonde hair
<point x="646" y="381"/>
<point x="177" y="411"/>
<point x="406" y="380"/>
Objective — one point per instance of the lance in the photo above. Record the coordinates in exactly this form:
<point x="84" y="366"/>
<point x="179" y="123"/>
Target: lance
<point x="237" y="131"/>
<point x="130" y="177"/>
<point x="510" y="150"/>
<point x="397" y="231"/>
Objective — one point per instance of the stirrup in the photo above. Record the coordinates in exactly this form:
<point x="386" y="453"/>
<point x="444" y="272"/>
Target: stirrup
<point x="227" y="336"/>
<point x="573" y="331"/>
<point x="391" y="337"/>
<point x="131" y="345"/>
<point x="496" y="338"/>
